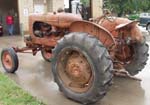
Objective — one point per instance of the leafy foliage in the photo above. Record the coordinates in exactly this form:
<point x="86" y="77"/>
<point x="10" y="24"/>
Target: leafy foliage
<point x="122" y="7"/>
<point x="85" y="2"/>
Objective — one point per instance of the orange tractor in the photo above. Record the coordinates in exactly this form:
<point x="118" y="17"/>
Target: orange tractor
<point x="84" y="54"/>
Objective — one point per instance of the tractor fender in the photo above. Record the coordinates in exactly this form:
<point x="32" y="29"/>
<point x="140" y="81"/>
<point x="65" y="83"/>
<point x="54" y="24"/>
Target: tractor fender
<point x="95" y="30"/>
<point x="131" y="27"/>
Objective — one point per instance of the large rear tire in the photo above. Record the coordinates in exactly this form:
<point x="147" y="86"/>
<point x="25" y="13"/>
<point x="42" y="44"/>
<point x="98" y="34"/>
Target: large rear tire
<point x="148" y="27"/>
<point x="140" y="58"/>
<point x="82" y="68"/>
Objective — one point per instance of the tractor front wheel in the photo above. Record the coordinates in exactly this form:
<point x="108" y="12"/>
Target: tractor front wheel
<point x="9" y="60"/>
<point x="82" y="67"/>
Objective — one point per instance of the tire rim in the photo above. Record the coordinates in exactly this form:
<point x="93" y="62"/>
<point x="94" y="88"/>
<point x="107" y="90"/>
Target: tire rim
<point x="7" y="60"/>
<point x="74" y="71"/>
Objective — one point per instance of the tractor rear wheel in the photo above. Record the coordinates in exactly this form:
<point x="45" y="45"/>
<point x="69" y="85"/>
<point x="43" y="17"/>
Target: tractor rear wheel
<point x="82" y="68"/>
<point x="9" y="60"/>
<point x="139" y="58"/>
<point x="148" y="27"/>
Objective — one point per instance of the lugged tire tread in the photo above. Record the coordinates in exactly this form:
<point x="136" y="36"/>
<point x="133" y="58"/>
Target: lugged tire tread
<point x="140" y="58"/>
<point x="81" y="40"/>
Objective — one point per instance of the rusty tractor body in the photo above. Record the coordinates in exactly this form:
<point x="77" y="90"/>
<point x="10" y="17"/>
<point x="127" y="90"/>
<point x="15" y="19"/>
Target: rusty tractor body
<point x="84" y="54"/>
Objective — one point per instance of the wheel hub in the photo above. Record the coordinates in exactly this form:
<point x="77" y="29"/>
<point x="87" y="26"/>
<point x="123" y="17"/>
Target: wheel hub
<point x="7" y="61"/>
<point x="75" y="71"/>
<point x="78" y="69"/>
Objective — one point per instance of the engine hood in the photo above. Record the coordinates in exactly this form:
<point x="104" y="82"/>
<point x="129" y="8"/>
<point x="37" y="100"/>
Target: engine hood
<point x="62" y="20"/>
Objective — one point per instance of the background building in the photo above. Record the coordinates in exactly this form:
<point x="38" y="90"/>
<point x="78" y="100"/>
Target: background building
<point x="21" y="9"/>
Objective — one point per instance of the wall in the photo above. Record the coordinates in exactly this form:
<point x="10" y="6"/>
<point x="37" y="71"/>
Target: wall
<point x="53" y="5"/>
<point x="97" y="8"/>
<point x="58" y="4"/>
<point x="25" y="8"/>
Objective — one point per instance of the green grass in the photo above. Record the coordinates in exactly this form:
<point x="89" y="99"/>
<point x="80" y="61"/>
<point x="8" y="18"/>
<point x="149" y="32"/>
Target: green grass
<point x="11" y="94"/>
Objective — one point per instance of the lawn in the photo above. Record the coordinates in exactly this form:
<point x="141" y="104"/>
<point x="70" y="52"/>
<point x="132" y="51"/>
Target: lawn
<point x="11" y="94"/>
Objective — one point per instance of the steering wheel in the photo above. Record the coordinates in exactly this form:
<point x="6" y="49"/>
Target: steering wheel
<point x="107" y="15"/>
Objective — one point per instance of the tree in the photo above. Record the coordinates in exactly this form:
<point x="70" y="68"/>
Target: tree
<point x="85" y="2"/>
<point x="122" y="7"/>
